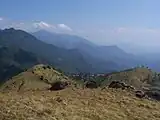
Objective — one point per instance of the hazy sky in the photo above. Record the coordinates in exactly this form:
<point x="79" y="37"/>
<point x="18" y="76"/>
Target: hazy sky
<point x="131" y="24"/>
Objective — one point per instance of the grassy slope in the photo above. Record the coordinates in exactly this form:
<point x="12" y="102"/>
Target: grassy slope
<point x="137" y="77"/>
<point x="14" y="60"/>
<point x="30" y="79"/>
<point x="78" y="104"/>
<point x="73" y="103"/>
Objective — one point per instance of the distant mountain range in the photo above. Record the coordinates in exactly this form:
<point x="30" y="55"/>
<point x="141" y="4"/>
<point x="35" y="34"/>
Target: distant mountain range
<point x="62" y="40"/>
<point x="104" y="53"/>
<point x="23" y="46"/>
<point x="112" y="54"/>
<point x="59" y="57"/>
<point x="70" y="53"/>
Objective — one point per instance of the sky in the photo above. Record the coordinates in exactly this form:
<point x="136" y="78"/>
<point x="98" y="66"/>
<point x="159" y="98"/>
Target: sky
<point x="133" y="25"/>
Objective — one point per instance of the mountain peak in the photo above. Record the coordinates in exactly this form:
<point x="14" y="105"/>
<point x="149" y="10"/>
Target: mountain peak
<point x="9" y="29"/>
<point x="62" y="40"/>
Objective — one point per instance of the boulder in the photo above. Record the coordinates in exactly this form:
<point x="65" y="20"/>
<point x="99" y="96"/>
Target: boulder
<point x="59" y="85"/>
<point x="117" y="84"/>
<point x="91" y="84"/>
<point x="140" y="94"/>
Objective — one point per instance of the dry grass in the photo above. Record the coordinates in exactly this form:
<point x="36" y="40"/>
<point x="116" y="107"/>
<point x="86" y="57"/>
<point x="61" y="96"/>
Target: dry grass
<point x="77" y="104"/>
<point x="136" y="77"/>
<point x="32" y="79"/>
<point x="73" y="103"/>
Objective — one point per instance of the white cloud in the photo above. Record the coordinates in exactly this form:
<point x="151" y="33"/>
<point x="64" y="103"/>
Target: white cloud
<point x="50" y="27"/>
<point x="148" y="38"/>
<point x="42" y="25"/>
<point x="64" y="27"/>
<point x="34" y="26"/>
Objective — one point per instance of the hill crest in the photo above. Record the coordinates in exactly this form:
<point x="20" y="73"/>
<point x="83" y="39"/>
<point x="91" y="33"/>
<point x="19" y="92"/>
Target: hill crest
<point x="39" y="77"/>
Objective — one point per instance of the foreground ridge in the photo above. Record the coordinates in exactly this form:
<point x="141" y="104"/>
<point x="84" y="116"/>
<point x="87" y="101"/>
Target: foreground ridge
<point x="45" y="93"/>
<point x="86" y="104"/>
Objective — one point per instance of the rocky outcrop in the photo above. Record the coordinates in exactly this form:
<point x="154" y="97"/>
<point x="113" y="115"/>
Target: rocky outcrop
<point x="122" y="85"/>
<point x="153" y="95"/>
